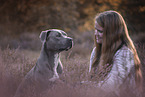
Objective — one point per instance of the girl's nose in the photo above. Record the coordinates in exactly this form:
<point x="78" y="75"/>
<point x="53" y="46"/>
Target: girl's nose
<point x="96" y="33"/>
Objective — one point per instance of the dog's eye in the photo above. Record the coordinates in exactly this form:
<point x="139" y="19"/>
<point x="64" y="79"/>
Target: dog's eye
<point x="58" y="35"/>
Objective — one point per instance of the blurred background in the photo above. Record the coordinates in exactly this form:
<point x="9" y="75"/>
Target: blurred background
<point x="21" y="21"/>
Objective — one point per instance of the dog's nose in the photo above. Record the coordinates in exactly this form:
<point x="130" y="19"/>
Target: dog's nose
<point x="69" y="43"/>
<point x="70" y="39"/>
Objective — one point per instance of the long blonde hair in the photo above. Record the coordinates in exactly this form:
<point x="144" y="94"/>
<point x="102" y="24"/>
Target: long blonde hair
<point x="115" y="33"/>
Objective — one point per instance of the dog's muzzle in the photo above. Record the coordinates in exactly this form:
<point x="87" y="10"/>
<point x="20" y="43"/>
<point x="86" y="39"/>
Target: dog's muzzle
<point x="69" y="45"/>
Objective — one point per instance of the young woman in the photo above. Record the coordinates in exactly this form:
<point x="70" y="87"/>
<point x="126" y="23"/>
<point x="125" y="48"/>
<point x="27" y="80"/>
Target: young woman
<point x="114" y="61"/>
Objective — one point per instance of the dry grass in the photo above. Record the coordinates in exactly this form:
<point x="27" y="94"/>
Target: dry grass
<point x="14" y="64"/>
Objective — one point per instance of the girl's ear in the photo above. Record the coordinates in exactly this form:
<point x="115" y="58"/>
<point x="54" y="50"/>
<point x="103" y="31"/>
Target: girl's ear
<point x="43" y="36"/>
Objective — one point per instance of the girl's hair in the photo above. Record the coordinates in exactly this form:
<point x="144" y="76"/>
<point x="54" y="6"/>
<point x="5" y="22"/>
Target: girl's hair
<point x="115" y="33"/>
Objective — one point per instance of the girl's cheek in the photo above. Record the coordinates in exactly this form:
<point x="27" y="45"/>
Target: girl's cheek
<point x="101" y="34"/>
<point x="95" y="32"/>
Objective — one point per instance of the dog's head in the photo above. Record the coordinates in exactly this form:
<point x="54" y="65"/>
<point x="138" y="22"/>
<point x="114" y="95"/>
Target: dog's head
<point x="56" y="40"/>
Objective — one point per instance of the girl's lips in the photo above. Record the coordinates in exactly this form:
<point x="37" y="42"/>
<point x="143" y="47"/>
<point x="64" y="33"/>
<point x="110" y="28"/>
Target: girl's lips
<point x="98" y="38"/>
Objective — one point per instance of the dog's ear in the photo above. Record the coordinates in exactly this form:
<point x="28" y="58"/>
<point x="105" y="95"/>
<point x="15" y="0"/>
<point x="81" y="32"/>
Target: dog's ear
<point x="43" y="36"/>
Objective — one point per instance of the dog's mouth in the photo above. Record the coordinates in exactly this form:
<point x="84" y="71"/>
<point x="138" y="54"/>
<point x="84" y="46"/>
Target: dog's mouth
<point x="71" y="45"/>
<point x="62" y="49"/>
<point x="67" y="48"/>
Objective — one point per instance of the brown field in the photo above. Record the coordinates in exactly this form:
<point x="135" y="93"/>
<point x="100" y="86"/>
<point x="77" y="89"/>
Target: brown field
<point x="15" y="63"/>
<point x="21" y="21"/>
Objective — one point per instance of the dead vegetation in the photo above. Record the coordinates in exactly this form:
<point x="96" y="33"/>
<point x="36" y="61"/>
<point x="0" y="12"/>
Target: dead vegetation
<point x="15" y="63"/>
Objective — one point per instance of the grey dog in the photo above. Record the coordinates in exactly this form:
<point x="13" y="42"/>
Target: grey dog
<point x="48" y="65"/>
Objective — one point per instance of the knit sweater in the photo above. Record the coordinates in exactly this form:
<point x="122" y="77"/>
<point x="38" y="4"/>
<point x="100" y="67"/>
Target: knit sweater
<point x="122" y="74"/>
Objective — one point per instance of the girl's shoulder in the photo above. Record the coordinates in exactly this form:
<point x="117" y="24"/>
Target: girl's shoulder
<point x="124" y="51"/>
<point x="93" y="51"/>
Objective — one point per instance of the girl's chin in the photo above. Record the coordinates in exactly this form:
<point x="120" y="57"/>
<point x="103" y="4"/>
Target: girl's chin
<point x="99" y="41"/>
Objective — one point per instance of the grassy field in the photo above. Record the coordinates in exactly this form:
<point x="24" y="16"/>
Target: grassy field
<point x="15" y="63"/>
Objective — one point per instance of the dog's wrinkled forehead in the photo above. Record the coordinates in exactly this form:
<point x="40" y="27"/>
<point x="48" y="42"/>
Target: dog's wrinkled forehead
<point x="57" y="32"/>
<point x="44" y="34"/>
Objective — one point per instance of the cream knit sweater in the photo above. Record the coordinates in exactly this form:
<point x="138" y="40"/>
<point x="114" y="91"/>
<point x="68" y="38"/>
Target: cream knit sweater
<point x="122" y="74"/>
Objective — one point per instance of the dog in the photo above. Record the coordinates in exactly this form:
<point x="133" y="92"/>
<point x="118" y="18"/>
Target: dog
<point x="48" y="66"/>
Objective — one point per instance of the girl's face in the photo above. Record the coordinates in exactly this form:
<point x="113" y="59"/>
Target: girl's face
<point x="98" y="33"/>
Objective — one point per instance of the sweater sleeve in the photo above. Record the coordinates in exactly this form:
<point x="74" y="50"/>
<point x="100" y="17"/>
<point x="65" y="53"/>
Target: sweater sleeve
<point x="123" y="62"/>
<point x="92" y="58"/>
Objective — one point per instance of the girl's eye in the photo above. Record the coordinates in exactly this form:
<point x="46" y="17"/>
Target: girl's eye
<point x="100" y="31"/>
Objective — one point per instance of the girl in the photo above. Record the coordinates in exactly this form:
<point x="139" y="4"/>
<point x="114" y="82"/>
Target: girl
<point x="114" y="61"/>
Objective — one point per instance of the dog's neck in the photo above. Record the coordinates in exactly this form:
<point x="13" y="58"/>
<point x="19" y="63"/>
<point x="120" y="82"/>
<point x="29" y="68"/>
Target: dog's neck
<point x="48" y="58"/>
